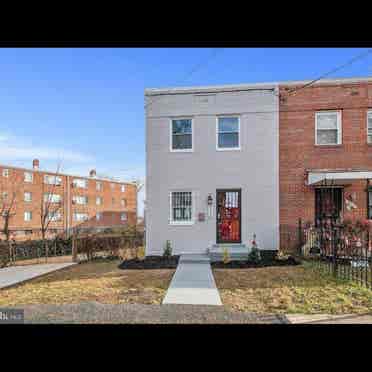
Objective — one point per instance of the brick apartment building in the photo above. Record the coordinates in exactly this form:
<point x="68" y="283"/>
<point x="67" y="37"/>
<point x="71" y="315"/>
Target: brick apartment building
<point x="325" y="140"/>
<point x="73" y="201"/>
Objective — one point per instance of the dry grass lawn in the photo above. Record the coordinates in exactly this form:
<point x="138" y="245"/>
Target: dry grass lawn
<point x="291" y="289"/>
<point x="100" y="281"/>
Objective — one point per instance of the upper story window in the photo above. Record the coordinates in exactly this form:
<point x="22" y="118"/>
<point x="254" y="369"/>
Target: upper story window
<point x="328" y="128"/>
<point x="123" y="202"/>
<point x="27" y="196"/>
<point x="123" y="216"/>
<point x="181" y="135"/>
<point x="52" y="198"/>
<point x="52" y="180"/>
<point x="228" y="133"/>
<point x="181" y="207"/>
<point x="78" y="199"/>
<point x="4" y="196"/>
<point x="369" y="127"/>
<point x="28" y="177"/>
<point x="99" y="186"/>
<point x="27" y="216"/>
<point x="5" y="172"/>
<point x="112" y="186"/>
<point x="80" y="182"/>
<point x="80" y="216"/>
<point x="98" y="216"/>
<point x="122" y="188"/>
<point x="98" y="200"/>
<point x="54" y="216"/>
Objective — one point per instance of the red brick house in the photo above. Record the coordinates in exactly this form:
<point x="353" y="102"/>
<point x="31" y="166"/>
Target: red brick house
<point x="325" y="140"/>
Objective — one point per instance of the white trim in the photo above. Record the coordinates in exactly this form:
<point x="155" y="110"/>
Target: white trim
<point x="369" y="112"/>
<point x="339" y="127"/>
<point x="239" y="132"/>
<point x="170" y="214"/>
<point x="171" y="134"/>
<point x="319" y="177"/>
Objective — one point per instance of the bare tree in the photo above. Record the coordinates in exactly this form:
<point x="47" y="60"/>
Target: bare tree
<point x="50" y="208"/>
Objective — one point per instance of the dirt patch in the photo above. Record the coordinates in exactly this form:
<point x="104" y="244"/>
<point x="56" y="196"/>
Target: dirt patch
<point x="291" y="261"/>
<point x="150" y="263"/>
<point x="297" y="289"/>
<point x="101" y="281"/>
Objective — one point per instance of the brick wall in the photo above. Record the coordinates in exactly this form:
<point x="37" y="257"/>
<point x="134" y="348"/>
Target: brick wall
<point x="110" y="209"/>
<point x="298" y="152"/>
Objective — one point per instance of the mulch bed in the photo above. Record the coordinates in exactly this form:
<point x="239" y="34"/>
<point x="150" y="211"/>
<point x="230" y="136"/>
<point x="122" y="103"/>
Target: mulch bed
<point x="150" y="263"/>
<point x="290" y="261"/>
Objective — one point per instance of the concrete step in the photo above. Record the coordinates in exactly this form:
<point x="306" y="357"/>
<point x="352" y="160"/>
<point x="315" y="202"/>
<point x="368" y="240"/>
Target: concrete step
<point x="237" y="252"/>
<point x="195" y="258"/>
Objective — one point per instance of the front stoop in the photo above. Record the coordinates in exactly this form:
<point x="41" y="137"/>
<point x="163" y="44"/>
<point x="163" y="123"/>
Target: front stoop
<point x="237" y="252"/>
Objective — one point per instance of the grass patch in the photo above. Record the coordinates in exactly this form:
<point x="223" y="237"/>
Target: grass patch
<point x="292" y="289"/>
<point x="100" y="281"/>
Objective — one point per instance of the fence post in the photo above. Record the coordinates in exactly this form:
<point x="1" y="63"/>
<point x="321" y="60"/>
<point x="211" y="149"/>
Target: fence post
<point x="74" y="249"/>
<point x="300" y="239"/>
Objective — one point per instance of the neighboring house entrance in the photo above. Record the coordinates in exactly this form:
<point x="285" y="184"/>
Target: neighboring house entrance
<point x="328" y="204"/>
<point x="228" y="216"/>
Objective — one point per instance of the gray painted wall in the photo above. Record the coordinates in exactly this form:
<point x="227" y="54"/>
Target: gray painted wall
<point x="254" y="169"/>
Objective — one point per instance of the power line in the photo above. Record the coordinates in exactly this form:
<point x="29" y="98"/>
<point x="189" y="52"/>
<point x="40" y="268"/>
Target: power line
<point x="348" y="63"/>
<point x="215" y="51"/>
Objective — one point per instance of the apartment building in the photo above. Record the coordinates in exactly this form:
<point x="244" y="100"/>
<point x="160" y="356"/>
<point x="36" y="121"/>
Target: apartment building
<point x="33" y="196"/>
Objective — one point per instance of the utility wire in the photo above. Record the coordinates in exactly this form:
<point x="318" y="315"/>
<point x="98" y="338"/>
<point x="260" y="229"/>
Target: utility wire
<point x="348" y="63"/>
<point x="192" y="71"/>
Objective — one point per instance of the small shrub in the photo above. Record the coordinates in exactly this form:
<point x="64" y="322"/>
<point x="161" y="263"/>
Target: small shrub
<point x="226" y="256"/>
<point x="254" y="255"/>
<point x="141" y="253"/>
<point x="168" y="249"/>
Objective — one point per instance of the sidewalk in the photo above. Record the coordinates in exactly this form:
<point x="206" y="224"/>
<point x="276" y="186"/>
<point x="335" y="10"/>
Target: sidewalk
<point x="193" y="283"/>
<point x="330" y="319"/>
<point x="17" y="274"/>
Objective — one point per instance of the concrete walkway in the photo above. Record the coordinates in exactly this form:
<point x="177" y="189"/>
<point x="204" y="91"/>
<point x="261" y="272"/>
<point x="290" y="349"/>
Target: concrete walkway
<point x="17" y="274"/>
<point x="330" y="319"/>
<point x="193" y="283"/>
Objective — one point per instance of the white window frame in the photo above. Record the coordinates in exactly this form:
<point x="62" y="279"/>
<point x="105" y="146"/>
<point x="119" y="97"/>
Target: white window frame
<point x="98" y="216"/>
<point x="122" y="188"/>
<point x="27" y="213"/>
<point x="32" y="177"/>
<point x="339" y="127"/>
<point x="5" y="172"/>
<point x="99" y="186"/>
<point x="171" y="134"/>
<point x="52" y="198"/>
<point x="54" y="216"/>
<point x="100" y="200"/>
<point x="121" y="216"/>
<point x="170" y="216"/>
<point x="80" y="214"/>
<point x="78" y="199"/>
<point x="217" y="132"/>
<point x="369" y="112"/>
<point x="76" y="182"/>
<point x="57" y="180"/>
<point x="24" y="196"/>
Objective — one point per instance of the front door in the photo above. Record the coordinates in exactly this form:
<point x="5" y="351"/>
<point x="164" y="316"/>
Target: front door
<point x="328" y="204"/>
<point x="228" y="216"/>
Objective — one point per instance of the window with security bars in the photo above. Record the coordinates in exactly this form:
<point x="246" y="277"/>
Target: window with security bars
<point x="369" y="127"/>
<point x="328" y="128"/>
<point x="181" y="206"/>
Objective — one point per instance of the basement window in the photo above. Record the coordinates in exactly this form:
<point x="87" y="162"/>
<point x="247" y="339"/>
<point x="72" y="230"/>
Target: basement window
<point x="328" y="128"/>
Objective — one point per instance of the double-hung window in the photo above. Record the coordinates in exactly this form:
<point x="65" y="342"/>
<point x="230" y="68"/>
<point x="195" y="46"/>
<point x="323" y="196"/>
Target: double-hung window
<point x="52" y="180"/>
<point x="328" y="128"/>
<point x="81" y="183"/>
<point x="27" y="216"/>
<point x="369" y="127"/>
<point x="27" y="196"/>
<point x="228" y="133"/>
<point x="181" y="207"/>
<point x="28" y="177"/>
<point x="181" y="135"/>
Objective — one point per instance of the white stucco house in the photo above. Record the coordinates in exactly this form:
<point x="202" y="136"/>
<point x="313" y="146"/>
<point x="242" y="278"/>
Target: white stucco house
<point x="212" y="168"/>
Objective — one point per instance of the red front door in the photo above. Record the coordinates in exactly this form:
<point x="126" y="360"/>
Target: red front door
<point x="228" y="216"/>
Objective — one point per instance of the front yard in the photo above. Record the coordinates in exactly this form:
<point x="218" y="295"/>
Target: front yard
<point x="290" y="289"/>
<point x="100" y="281"/>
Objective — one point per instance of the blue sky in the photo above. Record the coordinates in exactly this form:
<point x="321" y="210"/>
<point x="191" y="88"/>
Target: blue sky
<point x="84" y="107"/>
